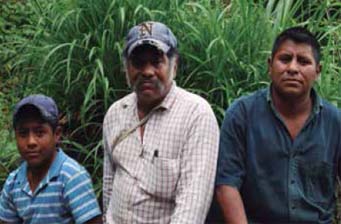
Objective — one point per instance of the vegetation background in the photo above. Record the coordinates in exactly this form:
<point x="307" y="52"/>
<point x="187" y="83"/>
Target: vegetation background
<point x="71" y="50"/>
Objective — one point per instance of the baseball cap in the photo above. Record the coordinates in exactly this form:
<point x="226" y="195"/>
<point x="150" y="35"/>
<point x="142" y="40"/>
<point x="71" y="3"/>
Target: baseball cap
<point x="153" y="33"/>
<point x="46" y="106"/>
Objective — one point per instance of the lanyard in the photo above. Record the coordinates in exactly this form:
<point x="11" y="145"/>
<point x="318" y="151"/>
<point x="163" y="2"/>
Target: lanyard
<point x="125" y="133"/>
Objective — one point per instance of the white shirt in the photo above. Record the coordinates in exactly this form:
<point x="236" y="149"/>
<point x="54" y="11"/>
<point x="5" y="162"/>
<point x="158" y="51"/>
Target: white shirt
<point x="169" y="177"/>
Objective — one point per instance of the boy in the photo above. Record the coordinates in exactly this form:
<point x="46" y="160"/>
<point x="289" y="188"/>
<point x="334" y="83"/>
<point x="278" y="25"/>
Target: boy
<point x="49" y="186"/>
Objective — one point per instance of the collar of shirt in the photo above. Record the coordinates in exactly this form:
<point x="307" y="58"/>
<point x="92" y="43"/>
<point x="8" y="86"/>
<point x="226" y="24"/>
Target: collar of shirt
<point x="52" y="172"/>
<point x="317" y="101"/>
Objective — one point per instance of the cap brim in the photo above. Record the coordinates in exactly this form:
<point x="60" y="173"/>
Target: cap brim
<point x="158" y="44"/>
<point x="45" y="114"/>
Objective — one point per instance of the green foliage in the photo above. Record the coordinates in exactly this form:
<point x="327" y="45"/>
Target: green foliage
<point x="71" y="50"/>
<point x="15" y="21"/>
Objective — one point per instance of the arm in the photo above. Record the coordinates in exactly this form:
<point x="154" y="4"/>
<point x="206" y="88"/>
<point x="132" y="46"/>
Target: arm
<point x="96" y="220"/>
<point x="80" y="198"/>
<point x="110" y="125"/>
<point x="231" y="166"/>
<point x="108" y="178"/>
<point x="8" y="211"/>
<point x="198" y="166"/>
<point x="231" y="204"/>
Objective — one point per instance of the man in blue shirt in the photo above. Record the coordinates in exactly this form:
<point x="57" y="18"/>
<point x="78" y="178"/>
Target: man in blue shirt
<point x="49" y="186"/>
<point x="279" y="154"/>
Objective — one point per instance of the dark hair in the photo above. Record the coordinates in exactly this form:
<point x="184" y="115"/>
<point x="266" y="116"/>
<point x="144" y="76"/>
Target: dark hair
<point x="29" y="111"/>
<point x="298" y="35"/>
<point x="172" y="52"/>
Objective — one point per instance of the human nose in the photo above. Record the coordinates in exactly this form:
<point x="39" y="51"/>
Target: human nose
<point x="147" y="70"/>
<point x="293" y="67"/>
<point x="31" y="140"/>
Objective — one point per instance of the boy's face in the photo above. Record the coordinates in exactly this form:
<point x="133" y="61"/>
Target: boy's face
<point x="36" y="142"/>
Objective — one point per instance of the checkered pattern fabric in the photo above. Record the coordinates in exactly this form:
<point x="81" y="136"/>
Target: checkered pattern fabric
<point x="169" y="176"/>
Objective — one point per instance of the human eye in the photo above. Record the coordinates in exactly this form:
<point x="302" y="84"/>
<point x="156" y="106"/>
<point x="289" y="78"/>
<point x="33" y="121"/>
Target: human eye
<point x="40" y="131"/>
<point x="137" y="63"/>
<point x="22" y="132"/>
<point x="157" y="62"/>
<point x="285" y="58"/>
<point x="304" y="60"/>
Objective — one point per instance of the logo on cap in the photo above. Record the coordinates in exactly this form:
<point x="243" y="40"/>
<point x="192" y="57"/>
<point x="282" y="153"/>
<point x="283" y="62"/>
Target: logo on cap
<point x="152" y="33"/>
<point x="145" y="28"/>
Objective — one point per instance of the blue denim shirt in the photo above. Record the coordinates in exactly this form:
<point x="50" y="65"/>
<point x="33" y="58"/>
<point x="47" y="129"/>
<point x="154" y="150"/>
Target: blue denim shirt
<point x="281" y="180"/>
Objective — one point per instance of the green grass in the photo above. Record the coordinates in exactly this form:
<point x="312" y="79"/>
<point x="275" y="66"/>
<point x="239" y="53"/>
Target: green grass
<point x="71" y="50"/>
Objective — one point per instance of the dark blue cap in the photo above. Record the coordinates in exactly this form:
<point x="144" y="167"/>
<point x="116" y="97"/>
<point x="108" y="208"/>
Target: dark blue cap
<point x="46" y="106"/>
<point x="152" y="33"/>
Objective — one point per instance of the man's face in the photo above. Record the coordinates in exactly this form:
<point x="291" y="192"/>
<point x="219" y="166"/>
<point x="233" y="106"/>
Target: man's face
<point x="150" y="74"/>
<point x="36" y="142"/>
<point x="293" y="69"/>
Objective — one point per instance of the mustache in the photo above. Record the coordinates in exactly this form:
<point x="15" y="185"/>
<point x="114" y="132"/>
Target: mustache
<point x="143" y="79"/>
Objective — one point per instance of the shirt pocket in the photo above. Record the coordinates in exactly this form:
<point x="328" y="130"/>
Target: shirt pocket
<point x="159" y="176"/>
<point x="317" y="180"/>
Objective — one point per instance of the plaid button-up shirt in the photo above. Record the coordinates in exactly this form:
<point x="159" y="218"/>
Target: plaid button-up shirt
<point x="169" y="176"/>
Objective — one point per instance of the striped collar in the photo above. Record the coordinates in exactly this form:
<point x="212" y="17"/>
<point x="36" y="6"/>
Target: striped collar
<point x="53" y="172"/>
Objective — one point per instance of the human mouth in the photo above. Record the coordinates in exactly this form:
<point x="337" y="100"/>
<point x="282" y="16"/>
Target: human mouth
<point x="292" y="81"/>
<point x="146" y="85"/>
<point x="32" y="155"/>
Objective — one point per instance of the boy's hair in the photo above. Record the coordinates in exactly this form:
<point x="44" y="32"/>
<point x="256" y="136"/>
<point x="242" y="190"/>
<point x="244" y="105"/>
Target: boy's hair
<point x="30" y="112"/>
<point x="36" y="106"/>
<point x="298" y="35"/>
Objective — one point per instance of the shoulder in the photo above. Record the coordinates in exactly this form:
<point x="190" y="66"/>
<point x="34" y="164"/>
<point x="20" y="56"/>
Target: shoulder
<point x="71" y="169"/>
<point x="119" y="105"/>
<point x="78" y="192"/>
<point x="11" y="179"/>
<point x="245" y="104"/>
<point x="193" y="101"/>
<point x="331" y="111"/>
<point x="116" y="111"/>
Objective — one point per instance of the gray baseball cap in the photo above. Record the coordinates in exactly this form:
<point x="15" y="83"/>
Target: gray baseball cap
<point x="46" y="106"/>
<point x="153" y="33"/>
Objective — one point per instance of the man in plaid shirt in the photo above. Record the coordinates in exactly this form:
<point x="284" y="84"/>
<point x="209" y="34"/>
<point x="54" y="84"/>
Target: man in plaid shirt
<point x="160" y="141"/>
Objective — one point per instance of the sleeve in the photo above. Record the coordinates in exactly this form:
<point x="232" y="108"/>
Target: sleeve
<point x="231" y="159"/>
<point x="8" y="211"/>
<point x="108" y="170"/>
<point x="198" y="166"/>
<point x="80" y="197"/>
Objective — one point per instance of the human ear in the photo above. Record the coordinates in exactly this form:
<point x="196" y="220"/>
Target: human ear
<point x="57" y="134"/>
<point x="318" y="70"/>
<point x="176" y="64"/>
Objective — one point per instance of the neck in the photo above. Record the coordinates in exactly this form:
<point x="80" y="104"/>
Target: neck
<point x="292" y="107"/>
<point x="144" y="108"/>
<point x="36" y="174"/>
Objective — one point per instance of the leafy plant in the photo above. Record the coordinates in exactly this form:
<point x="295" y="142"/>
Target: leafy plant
<point x="72" y="51"/>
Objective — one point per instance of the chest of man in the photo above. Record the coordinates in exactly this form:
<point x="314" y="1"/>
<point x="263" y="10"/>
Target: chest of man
<point x="291" y="178"/>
